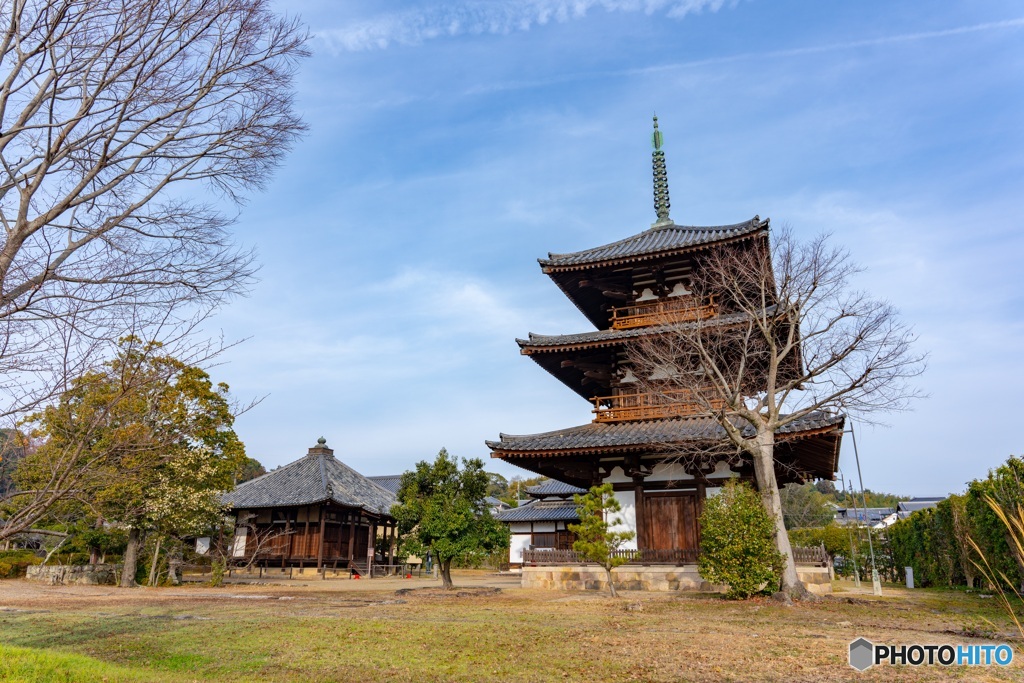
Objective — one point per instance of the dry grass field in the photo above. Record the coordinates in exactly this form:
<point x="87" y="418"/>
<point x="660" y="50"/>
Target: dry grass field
<point x="491" y="630"/>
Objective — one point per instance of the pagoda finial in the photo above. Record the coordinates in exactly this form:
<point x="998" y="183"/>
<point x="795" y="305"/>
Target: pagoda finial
<point x="661" y="203"/>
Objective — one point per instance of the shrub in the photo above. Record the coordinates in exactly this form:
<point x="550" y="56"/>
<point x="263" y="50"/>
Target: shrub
<point x="737" y="543"/>
<point x="218" y="568"/>
<point x="14" y="562"/>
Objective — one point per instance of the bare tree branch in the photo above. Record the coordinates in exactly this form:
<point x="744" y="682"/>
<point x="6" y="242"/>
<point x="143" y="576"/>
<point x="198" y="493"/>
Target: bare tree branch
<point x="123" y="123"/>
<point x="110" y="111"/>
<point x="790" y="340"/>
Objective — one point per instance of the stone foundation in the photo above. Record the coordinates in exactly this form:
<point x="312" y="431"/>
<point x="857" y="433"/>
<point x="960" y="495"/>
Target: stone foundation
<point x="652" y="578"/>
<point x="85" y="575"/>
<point x="817" y="580"/>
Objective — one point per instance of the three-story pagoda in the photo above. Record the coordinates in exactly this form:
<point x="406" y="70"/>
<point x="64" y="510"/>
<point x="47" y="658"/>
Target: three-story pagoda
<point x="629" y="290"/>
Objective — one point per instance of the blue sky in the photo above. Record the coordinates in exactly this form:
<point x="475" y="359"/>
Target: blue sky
<point x="453" y="143"/>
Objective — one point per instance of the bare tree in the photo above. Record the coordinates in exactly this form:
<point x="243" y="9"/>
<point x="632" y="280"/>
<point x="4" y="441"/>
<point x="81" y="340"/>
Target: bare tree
<point x="792" y="339"/>
<point x="261" y="543"/>
<point x="115" y="115"/>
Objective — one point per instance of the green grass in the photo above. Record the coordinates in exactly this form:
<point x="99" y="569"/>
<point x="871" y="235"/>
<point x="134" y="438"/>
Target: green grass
<point x="305" y="635"/>
<point x="25" y="665"/>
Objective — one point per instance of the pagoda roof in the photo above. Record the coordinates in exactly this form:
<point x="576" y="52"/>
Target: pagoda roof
<point x="657" y="241"/>
<point x="541" y="511"/>
<point x="317" y="477"/>
<point x="554" y="488"/>
<point x="598" y="435"/>
<point x="812" y="440"/>
<point x="539" y="343"/>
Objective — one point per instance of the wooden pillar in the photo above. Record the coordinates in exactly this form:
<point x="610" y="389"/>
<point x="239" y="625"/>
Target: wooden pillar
<point x="371" y="548"/>
<point x="641" y="511"/>
<point x="701" y="496"/>
<point x="391" y="543"/>
<point x="351" y="539"/>
<point x="305" y="538"/>
<point x="286" y="549"/>
<point x="320" y="544"/>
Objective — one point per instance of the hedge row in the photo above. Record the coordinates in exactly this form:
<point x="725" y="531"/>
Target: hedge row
<point x="937" y="542"/>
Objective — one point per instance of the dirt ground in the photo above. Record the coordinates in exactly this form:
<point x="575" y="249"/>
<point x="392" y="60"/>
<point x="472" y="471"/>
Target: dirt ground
<point x="488" y="629"/>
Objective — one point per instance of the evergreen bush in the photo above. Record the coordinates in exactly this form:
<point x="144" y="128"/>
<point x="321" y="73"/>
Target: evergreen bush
<point x="737" y="543"/>
<point x="13" y="563"/>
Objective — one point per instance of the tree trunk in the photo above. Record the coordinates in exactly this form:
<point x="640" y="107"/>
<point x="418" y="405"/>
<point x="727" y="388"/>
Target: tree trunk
<point x="446" y="574"/>
<point x="611" y="582"/>
<point x="95" y="551"/>
<point x="131" y="558"/>
<point x="156" y="561"/>
<point x="768" y="485"/>
<point x="174" y="566"/>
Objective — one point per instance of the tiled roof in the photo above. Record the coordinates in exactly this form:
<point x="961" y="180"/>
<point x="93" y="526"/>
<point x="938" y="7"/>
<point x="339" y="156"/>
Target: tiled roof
<point x="392" y="482"/>
<point x="915" y="504"/>
<point x="611" y="336"/>
<point x="315" y="478"/>
<point x="598" y="435"/>
<point x="663" y="238"/>
<point x="554" y="488"/>
<point x="541" y="511"/>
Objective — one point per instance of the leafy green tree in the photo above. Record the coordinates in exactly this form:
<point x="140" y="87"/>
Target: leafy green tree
<point x="835" y="538"/>
<point x="875" y="499"/>
<point x="738" y="544"/>
<point x="248" y="470"/>
<point x="146" y="443"/>
<point x="825" y="487"/>
<point x="1005" y="486"/>
<point x="442" y="505"/>
<point x="12" y="449"/>
<point x="516" y="488"/>
<point x="595" y="541"/>
<point x="803" y="505"/>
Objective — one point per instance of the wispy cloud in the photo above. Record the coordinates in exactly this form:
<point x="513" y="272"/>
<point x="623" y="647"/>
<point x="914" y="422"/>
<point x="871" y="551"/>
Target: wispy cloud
<point x="896" y="39"/>
<point x="474" y="18"/>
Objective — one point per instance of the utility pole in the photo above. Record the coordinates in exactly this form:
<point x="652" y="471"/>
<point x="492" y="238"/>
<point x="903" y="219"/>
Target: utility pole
<point x="853" y="549"/>
<point x="876" y="583"/>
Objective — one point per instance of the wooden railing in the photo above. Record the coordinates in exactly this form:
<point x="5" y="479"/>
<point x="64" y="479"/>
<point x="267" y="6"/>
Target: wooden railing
<point x="668" y="403"/>
<point x="661" y="312"/>
<point x="815" y="556"/>
<point x="543" y="557"/>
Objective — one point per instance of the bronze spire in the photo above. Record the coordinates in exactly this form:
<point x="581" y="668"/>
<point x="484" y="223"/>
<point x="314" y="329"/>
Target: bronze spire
<point x="661" y="204"/>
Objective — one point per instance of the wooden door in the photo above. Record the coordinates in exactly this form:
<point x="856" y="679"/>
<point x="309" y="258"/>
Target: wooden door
<point x="672" y="521"/>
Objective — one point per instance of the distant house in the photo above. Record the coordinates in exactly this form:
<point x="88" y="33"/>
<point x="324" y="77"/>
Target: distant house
<point x="862" y="516"/>
<point x="496" y="505"/>
<point x="881" y="518"/>
<point x="315" y="511"/>
<point x="906" y="507"/>
<point x="543" y="521"/>
<point x="391" y="482"/>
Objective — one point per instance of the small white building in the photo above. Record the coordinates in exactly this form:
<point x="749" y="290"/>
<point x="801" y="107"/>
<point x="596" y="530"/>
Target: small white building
<point x="543" y="521"/>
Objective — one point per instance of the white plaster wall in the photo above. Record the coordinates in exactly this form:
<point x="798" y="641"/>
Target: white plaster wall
<point x="627" y="516"/>
<point x="722" y="470"/>
<point x="516" y="546"/>
<point x="671" y="471"/>
<point x="519" y="527"/>
<point x="543" y="527"/>
<point x="617" y="476"/>
<point x="240" y="537"/>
